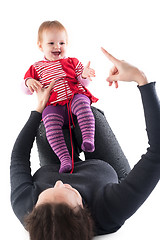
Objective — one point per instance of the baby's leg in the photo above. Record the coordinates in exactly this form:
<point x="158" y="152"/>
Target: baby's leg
<point x="53" y="121"/>
<point x="81" y="108"/>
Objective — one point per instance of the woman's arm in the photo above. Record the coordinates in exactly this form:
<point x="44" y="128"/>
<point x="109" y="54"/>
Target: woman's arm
<point x="20" y="158"/>
<point x="20" y="172"/>
<point x="123" y="71"/>
<point x="122" y="200"/>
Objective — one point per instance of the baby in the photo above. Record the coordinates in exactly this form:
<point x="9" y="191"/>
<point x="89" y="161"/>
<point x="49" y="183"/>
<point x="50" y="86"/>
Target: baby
<point x="68" y="95"/>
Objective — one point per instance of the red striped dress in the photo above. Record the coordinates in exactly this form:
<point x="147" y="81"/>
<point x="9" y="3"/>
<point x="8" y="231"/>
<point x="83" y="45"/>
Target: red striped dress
<point x="65" y="73"/>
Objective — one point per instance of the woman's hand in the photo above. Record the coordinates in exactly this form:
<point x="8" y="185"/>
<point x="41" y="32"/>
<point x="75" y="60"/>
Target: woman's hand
<point x="88" y="72"/>
<point x="123" y="71"/>
<point x="43" y="95"/>
<point x="33" y="85"/>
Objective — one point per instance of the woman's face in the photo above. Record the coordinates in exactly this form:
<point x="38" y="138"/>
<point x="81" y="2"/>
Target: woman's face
<point x="61" y="193"/>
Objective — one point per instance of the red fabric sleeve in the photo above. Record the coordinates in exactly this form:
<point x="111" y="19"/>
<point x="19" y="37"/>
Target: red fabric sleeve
<point x="31" y="73"/>
<point x="78" y="66"/>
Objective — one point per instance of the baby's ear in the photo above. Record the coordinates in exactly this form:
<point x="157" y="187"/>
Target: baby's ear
<point x="40" y="45"/>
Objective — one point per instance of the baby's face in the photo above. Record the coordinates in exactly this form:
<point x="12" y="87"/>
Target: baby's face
<point x="54" y="44"/>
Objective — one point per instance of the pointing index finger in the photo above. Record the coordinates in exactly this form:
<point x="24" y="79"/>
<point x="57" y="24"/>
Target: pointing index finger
<point x="109" y="56"/>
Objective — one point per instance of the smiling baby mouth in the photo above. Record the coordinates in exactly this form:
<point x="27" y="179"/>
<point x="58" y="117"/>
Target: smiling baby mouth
<point x="57" y="53"/>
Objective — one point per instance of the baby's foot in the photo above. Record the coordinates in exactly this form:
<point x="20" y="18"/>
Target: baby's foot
<point x="88" y="146"/>
<point x="65" y="167"/>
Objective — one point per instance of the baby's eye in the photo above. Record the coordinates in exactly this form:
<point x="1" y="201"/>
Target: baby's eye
<point x="51" y="43"/>
<point x="62" y="43"/>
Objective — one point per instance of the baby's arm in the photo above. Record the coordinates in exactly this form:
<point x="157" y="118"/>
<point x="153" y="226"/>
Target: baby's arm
<point x="84" y="81"/>
<point x="33" y="85"/>
<point x="88" y="72"/>
<point x="85" y="77"/>
<point x="31" y="81"/>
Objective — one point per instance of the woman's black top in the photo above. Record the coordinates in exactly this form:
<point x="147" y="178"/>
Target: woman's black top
<point x="111" y="202"/>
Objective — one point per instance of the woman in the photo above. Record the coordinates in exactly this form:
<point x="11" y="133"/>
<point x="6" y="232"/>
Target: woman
<point x="100" y="195"/>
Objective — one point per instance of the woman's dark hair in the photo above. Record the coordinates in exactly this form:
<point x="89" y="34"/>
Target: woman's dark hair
<point x="59" y="222"/>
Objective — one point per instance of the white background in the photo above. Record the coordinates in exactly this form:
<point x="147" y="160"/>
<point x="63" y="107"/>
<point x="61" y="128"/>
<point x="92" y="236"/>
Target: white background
<point x="127" y="29"/>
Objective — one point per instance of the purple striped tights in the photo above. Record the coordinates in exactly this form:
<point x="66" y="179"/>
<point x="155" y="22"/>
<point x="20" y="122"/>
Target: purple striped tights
<point x="54" y="117"/>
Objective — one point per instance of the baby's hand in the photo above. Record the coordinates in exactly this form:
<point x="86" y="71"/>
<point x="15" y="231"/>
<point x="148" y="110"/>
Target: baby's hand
<point x="33" y="85"/>
<point x="88" y="72"/>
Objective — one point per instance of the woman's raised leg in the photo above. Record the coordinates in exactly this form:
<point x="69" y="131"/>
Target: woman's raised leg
<point x="107" y="147"/>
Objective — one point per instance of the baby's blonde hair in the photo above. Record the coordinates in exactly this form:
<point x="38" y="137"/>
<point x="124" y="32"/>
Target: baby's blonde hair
<point x="50" y="25"/>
